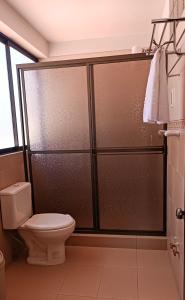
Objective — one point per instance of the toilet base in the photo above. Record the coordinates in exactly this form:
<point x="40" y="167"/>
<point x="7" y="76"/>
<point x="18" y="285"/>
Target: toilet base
<point x="46" y="247"/>
<point x="51" y="256"/>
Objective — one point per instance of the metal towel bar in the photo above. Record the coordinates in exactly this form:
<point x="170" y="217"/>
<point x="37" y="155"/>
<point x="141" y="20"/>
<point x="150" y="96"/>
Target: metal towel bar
<point x="171" y="132"/>
<point x="173" y="40"/>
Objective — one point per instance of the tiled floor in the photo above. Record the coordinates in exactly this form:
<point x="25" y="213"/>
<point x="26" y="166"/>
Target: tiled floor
<point x="95" y="273"/>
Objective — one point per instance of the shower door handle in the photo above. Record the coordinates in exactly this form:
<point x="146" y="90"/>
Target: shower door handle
<point x="180" y="214"/>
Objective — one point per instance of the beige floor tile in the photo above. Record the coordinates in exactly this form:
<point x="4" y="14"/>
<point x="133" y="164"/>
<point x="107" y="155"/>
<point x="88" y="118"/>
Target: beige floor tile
<point x="24" y="278"/>
<point x="121" y="258"/>
<point x="85" y="255"/>
<point x="102" y="256"/>
<point x="68" y="297"/>
<point x="153" y="259"/>
<point x="95" y="273"/>
<point x="119" y="283"/>
<point x="81" y="280"/>
<point x="34" y="295"/>
<point x="156" y="284"/>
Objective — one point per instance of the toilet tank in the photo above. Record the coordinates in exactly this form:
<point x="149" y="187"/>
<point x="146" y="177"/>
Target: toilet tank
<point x="16" y="205"/>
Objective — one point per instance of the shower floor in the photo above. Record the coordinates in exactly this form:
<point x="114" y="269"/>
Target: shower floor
<point x="95" y="273"/>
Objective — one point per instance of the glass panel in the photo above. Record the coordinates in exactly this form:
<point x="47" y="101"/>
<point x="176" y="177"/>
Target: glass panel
<point x="131" y="191"/>
<point x="62" y="184"/>
<point x="17" y="58"/>
<point x="119" y="98"/>
<point x="6" y="126"/>
<point x="57" y="103"/>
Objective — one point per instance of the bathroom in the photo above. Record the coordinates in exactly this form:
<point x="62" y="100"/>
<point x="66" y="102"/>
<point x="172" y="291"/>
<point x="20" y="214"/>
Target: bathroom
<point x="102" y="187"/>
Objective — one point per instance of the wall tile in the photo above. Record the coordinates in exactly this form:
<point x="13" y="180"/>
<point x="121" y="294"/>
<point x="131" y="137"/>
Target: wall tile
<point x="175" y="196"/>
<point x="11" y="171"/>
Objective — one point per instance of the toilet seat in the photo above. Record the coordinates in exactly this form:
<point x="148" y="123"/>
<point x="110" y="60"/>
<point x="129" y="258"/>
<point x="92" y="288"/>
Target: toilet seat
<point x="48" y="221"/>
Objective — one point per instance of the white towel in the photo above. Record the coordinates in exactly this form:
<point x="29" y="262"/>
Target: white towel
<point x="156" y="107"/>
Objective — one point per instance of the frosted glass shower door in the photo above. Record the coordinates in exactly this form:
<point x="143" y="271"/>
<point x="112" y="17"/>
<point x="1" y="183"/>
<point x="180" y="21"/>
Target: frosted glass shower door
<point x="59" y="146"/>
<point x="119" y="97"/>
<point x="89" y="153"/>
<point x="130" y="191"/>
<point x="57" y="105"/>
<point x="130" y="156"/>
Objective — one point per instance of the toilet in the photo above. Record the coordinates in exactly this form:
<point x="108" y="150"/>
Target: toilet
<point x="44" y="234"/>
<point x="2" y="277"/>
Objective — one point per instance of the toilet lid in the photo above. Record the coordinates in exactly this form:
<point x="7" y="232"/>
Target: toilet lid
<point x="48" y="221"/>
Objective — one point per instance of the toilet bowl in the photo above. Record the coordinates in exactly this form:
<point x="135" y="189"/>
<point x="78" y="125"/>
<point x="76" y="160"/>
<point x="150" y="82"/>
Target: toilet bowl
<point x="44" y="234"/>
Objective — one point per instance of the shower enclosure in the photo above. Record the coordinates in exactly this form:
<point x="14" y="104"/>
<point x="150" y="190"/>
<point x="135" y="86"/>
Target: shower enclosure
<point x="87" y="151"/>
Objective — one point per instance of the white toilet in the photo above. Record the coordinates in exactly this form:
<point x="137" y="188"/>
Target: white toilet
<point x="2" y="277"/>
<point x="44" y="234"/>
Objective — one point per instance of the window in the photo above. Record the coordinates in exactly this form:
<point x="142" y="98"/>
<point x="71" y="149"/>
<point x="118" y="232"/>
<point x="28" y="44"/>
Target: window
<point x="17" y="58"/>
<point x="6" y="126"/>
<point x="10" y="118"/>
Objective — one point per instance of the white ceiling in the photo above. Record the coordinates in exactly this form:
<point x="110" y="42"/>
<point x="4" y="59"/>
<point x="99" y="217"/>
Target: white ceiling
<point x="68" y="20"/>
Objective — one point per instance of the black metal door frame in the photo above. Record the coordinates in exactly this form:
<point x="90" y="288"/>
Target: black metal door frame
<point x="93" y="151"/>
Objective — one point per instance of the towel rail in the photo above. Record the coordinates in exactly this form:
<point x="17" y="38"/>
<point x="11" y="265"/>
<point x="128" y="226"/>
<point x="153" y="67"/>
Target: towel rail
<point x="173" y="39"/>
<point x="163" y="32"/>
<point x="170" y="132"/>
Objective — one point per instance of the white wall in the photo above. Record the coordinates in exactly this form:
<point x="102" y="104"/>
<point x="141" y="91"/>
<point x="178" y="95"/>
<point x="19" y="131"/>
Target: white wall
<point x="175" y="194"/>
<point x="176" y="157"/>
<point x="94" y="47"/>
<point x="176" y="85"/>
<point x="19" y="30"/>
<point x="97" y="45"/>
<point x="165" y="14"/>
<point x="74" y="36"/>
<point x="120" y="44"/>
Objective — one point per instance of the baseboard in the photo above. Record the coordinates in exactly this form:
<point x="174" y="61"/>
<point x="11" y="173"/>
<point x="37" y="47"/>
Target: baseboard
<point x="118" y="241"/>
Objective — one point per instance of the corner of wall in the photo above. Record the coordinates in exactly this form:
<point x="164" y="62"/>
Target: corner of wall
<point x="13" y="25"/>
<point x="11" y="171"/>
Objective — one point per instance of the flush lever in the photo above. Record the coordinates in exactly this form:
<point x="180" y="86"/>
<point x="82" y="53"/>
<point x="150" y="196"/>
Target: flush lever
<point x="180" y="214"/>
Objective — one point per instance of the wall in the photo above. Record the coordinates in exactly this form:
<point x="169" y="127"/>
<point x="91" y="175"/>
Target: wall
<point x="102" y="45"/>
<point x="83" y="39"/>
<point x="176" y="167"/>
<point x="115" y="45"/>
<point x="176" y="153"/>
<point x="11" y="171"/>
<point x="19" y="30"/>
<point x="87" y="55"/>
<point x="159" y="28"/>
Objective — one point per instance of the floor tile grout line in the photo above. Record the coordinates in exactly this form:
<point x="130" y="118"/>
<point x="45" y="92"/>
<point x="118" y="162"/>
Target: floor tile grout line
<point x="62" y="283"/>
<point x="138" y="294"/>
<point x="137" y="262"/>
<point x="103" y="269"/>
<point x="75" y="295"/>
<point x="56" y="296"/>
<point x="62" y="275"/>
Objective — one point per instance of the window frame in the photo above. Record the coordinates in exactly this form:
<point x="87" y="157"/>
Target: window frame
<point x="9" y="43"/>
